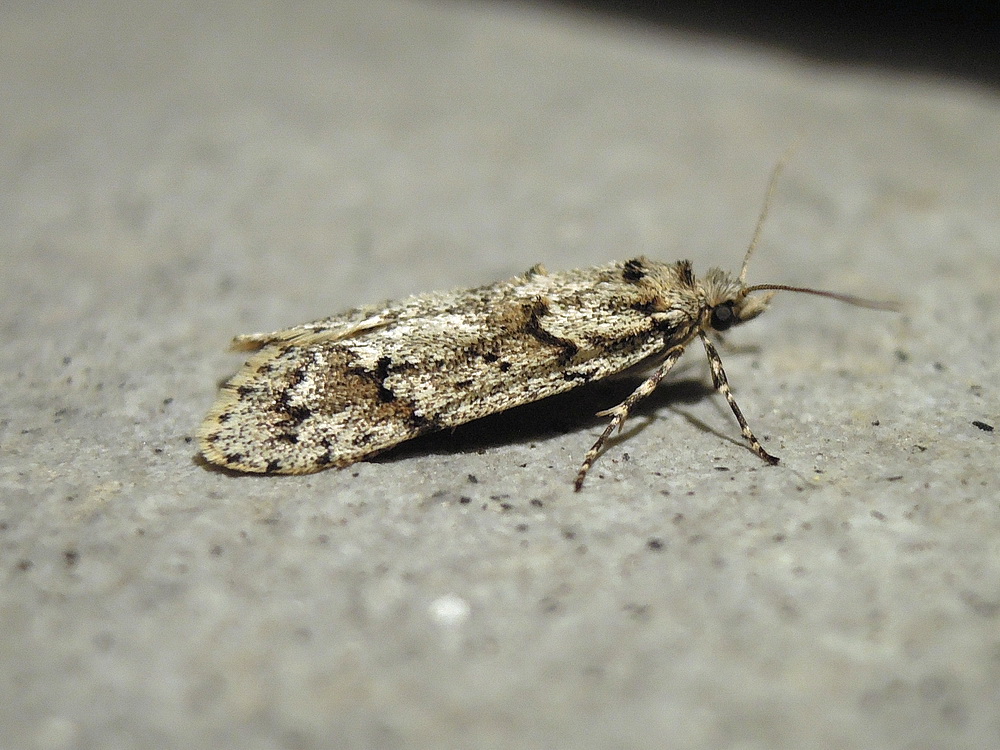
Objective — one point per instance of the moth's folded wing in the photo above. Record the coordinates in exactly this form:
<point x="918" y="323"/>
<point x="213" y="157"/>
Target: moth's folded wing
<point x="335" y="328"/>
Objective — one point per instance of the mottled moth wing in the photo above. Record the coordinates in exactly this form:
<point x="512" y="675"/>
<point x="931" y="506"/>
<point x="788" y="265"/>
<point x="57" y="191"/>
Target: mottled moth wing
<point x="341" y="389"/>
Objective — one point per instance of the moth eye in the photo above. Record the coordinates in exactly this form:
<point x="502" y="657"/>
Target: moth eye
<point x="723" y="316"/>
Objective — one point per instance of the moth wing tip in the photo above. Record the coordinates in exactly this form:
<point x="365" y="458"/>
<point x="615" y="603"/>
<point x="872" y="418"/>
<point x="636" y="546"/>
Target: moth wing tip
<point x="217" y="452"/>
<point x="248" y="342"/>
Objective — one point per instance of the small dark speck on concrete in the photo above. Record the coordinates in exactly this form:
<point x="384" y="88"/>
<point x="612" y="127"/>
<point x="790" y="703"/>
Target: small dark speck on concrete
<point x="939" y="367"/>
<point x="537" y="503"/>
<point x="473" y="479"/>
<point x="721" y="468"/>
<point x="894" y="478"/>
<point x="984" y="426"/>
<point x="465" y="499"/>
<point x="24" y="565"/>
<point x="875" y="423"/>
<point x="878" y="515"/>
<point x="72" y="557"/>
<point x="655" y="544"/>
<point x="902" y="356"/>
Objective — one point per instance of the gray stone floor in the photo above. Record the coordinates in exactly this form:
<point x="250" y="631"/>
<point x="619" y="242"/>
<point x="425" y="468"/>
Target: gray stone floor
<point x="175" y="175"/>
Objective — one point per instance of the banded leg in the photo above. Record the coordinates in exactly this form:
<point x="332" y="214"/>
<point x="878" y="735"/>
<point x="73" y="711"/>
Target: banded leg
<point x="620" y="413"/>
<point x="722" y="384"/>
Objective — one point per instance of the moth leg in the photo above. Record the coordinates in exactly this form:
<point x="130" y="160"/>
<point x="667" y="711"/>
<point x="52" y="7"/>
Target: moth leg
<point x="620" y="413"/>
<point x="722" y="384"/>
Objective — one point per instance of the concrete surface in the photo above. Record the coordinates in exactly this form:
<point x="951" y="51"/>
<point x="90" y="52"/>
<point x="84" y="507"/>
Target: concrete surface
<point x="175" y="175"/>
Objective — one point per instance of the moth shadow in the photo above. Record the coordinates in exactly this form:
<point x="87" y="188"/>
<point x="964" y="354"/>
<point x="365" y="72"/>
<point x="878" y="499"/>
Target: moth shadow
<point x="556" y="415"/>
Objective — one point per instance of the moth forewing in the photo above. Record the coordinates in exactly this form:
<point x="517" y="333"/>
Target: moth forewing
<point x="345" y="388"/>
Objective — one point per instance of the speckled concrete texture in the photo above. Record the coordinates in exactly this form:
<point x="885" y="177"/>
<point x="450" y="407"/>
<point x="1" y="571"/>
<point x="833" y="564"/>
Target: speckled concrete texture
<point x="175" y="175"/>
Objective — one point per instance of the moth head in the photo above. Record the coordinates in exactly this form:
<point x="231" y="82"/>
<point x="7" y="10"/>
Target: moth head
<point x="728" y="302"/>
<point x="730" y="312"/>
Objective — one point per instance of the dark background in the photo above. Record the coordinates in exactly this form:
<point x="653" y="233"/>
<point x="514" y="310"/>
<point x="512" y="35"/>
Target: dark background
<point x="960" y="39"/>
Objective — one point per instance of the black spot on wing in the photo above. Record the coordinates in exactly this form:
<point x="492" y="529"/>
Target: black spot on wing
<point x="377" y="377"/>
<point x="634" y="271"/>
<point x="385" y="394"/>
<point x="647" y="306"/>
<point x="299" y="413"/>
<point x="296" y="413"/>
<point x="422" y="423"/>
<point x="490" y="357"/>
<point x="686" y="273"/>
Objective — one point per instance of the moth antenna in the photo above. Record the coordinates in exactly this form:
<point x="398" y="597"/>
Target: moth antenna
<point x="850" y="299"/>
<point x="771" y="185"/>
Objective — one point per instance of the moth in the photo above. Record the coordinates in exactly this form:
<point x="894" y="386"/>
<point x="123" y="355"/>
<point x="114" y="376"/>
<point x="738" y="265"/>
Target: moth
<point x="347" y="387"/>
